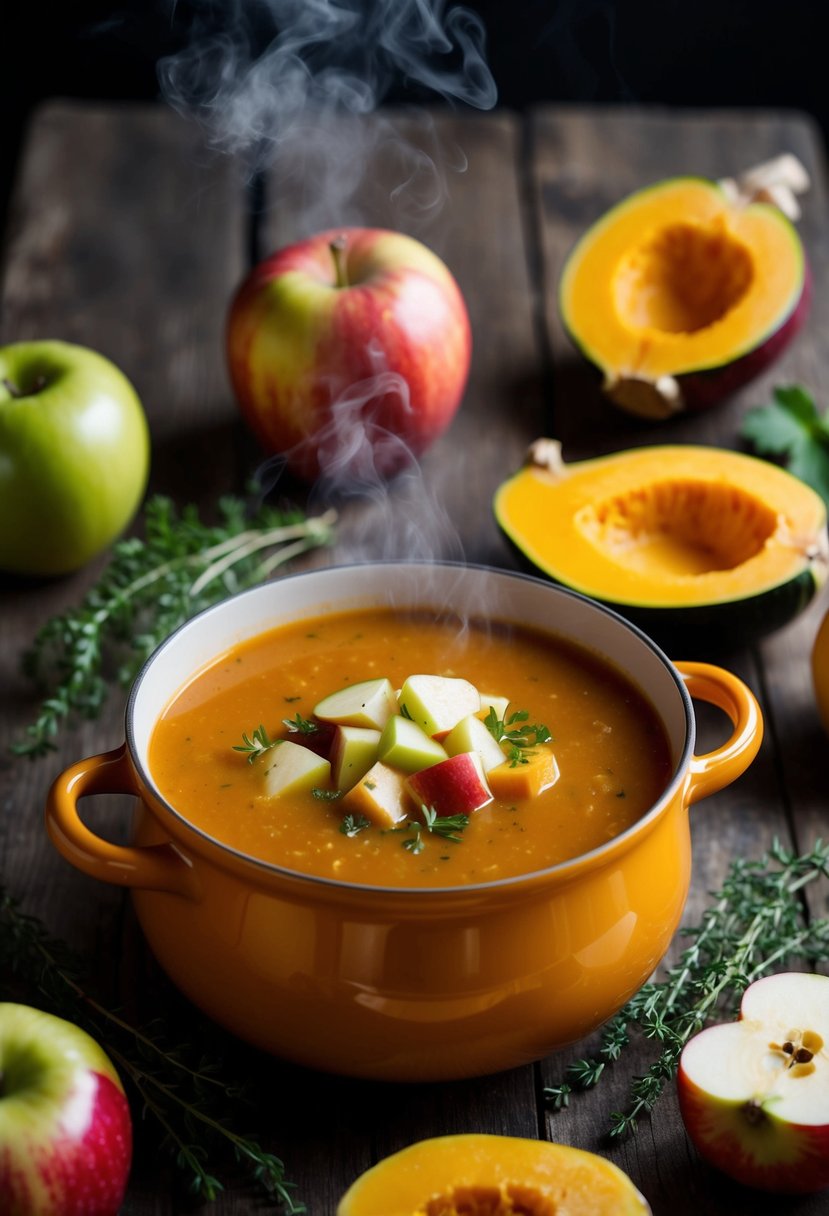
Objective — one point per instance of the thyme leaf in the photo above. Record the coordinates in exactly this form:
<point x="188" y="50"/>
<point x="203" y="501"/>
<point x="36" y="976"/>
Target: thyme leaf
<point x="151" y="585"/>
<point x="754" y="925"/>
<point x="187" y="1100"/>
<point x="300" y="726"/>
<point x="352" y="825"/>
<point x="255" y="744"/>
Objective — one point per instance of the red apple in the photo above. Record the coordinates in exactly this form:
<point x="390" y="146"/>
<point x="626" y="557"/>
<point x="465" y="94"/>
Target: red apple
<point x="65" y="1130"/>
<point x="456" y="786"/>
<point x="754" y="1094"/>
<point x="349" y="352"/>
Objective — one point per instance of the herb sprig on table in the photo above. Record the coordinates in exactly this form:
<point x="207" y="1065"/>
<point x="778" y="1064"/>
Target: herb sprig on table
<point x="792" y="429"/>
<point x="754" y="925"/>
<point x="152" y="584"/>
<point x="187" y="1100"/>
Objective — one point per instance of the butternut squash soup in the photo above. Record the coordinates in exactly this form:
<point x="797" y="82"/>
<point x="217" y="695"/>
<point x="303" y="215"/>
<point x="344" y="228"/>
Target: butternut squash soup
<point x="394" y="749"/>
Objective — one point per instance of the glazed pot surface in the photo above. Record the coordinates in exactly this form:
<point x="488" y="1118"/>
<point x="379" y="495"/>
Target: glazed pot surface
<point x="393" y="983"/>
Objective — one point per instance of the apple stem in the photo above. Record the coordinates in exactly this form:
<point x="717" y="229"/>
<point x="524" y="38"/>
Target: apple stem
<point x="14" y="391"/>
<point x="338" y="247"/>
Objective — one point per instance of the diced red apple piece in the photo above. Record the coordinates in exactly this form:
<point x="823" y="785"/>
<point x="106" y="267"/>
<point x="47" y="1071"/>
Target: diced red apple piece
<point x="405" y="746"/>
<point x="515" y="779"/>
<point x="754" y="1094"/>
<point x="437" y="703"/>
<point x="470" y="735"/>
<point x="290" y="767"/>
<point x="456" y="786"/>
<point x="381" y="795"/>
<point x="369" y="703"/>
<point x="353" y="752"/>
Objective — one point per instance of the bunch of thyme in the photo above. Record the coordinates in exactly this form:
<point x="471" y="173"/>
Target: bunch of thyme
<point x="151" y="585"/>
<point x="754" y="925"/>
<point x="187" y="1100"/>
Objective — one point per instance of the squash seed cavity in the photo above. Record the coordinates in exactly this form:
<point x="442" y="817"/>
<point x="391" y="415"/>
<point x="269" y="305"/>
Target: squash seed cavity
<point x="679" y="528"/>
<point x="510" y="1200"/>
<point x="683" y="278"/>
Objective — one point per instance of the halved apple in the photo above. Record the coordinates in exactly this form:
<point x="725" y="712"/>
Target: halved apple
<point x="754" y="1094"/>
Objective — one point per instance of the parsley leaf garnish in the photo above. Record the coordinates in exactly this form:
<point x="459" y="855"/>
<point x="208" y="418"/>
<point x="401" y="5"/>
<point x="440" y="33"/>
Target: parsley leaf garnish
<point x="517" y="736"/>
<point x="791" y="429"/>
<point x="352" y="824"/>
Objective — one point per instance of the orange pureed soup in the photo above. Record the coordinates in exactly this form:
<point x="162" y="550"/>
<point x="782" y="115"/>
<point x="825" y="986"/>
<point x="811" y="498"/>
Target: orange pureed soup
<point x="609" y="744"/>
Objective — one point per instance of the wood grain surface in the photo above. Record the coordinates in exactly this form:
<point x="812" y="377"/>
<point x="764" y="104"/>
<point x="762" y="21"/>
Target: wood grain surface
<point x="126" y="233"/>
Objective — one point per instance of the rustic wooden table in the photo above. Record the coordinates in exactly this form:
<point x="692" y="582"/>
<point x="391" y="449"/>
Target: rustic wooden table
<point x="128" y="235"/>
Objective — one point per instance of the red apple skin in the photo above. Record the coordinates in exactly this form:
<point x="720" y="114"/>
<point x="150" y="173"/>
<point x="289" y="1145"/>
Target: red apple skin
<point x="452" y="787"/>
<point x="72" y="1154"/>
<point x="727" y="1140"/>
<point x="349" y="381"/>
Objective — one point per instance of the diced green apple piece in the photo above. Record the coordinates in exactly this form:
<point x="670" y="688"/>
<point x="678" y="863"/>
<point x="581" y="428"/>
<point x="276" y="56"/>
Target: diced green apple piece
<point x="405" y="746"/>
<point x="290" y="767"/>
<point x="353" y="751"/>
<point x="499" y="704"/>
<point x="456" y="786"/>
<point x="470" y="735"/>
<point x="369" y="703"/>
<point x="381" y="795"/>
<point x="437" y="703"/>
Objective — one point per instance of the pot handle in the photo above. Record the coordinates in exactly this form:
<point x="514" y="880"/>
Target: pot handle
<point x="713" y="770"/>
<point x="157" y="867"/>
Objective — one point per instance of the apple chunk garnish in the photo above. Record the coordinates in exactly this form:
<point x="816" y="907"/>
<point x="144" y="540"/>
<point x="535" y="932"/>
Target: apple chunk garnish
<point x="470" y="735"/>
<point x="381" y="796"/>
<point x="754" y="1094"/>
<point x="456" y="786"/>
<point x="370" y="703"/>
<point x="290" y="767"/>
<point x="404" y="745"/>
<point x="353" y="752"/>
<point x="437" y="703"/>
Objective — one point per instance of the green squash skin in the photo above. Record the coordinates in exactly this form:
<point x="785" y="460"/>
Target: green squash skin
<point x="702" y="631"/>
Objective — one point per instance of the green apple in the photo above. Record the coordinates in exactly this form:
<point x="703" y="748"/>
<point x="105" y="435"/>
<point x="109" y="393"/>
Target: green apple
<point x="74" y="456"/>
<point x="437" y="703"/>
<point x="471" y="735"/>
<point x="405" y="746"/>
<point x="353" y="752"/>
<point x="369" y="703"/>
<point x="65" y="1127"/>
<point x="290" y="767"/>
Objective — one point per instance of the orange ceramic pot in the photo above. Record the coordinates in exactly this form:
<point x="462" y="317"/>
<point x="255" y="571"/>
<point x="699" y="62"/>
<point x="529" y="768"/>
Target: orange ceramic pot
<point x="393" y="983"/>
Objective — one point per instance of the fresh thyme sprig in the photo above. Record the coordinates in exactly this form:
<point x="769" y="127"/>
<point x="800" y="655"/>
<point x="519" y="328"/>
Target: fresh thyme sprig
<point x="256" y="743"/>
<point x="301" y="726"/>
<point x="189" y="1102"/>
<point x="754" y="925"/>
<point x="149" y="588"/>
<point x="447" y="827"/>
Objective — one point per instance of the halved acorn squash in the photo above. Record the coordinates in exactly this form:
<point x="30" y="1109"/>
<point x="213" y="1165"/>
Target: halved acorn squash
<point x="693" y="544"/>
<point x="481" y="1175"/>
<point x="683" y="292"/>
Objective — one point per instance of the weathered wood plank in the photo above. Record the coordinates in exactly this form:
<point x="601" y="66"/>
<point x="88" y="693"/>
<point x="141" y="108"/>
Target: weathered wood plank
<point x="583" y="162"/>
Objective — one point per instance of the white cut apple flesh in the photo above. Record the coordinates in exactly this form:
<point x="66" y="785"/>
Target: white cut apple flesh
<point x="754" y="1094"/>
<point x="289" y="767"/>
<point x="369" y="703"/>
<point x="380" y="795"/>
<point x="353" y="752"/>
<point x="470" y="735"/>
<point x="405" y="746"/>
<point x="437" y="703"/>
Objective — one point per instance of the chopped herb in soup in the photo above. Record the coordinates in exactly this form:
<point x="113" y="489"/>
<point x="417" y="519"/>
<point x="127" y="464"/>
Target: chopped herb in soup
<point x="402" y="750"/>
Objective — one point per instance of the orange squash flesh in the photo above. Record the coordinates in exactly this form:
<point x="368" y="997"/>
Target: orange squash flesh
<point x="678" y="279"/>
<point x="484" y="1175"/>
